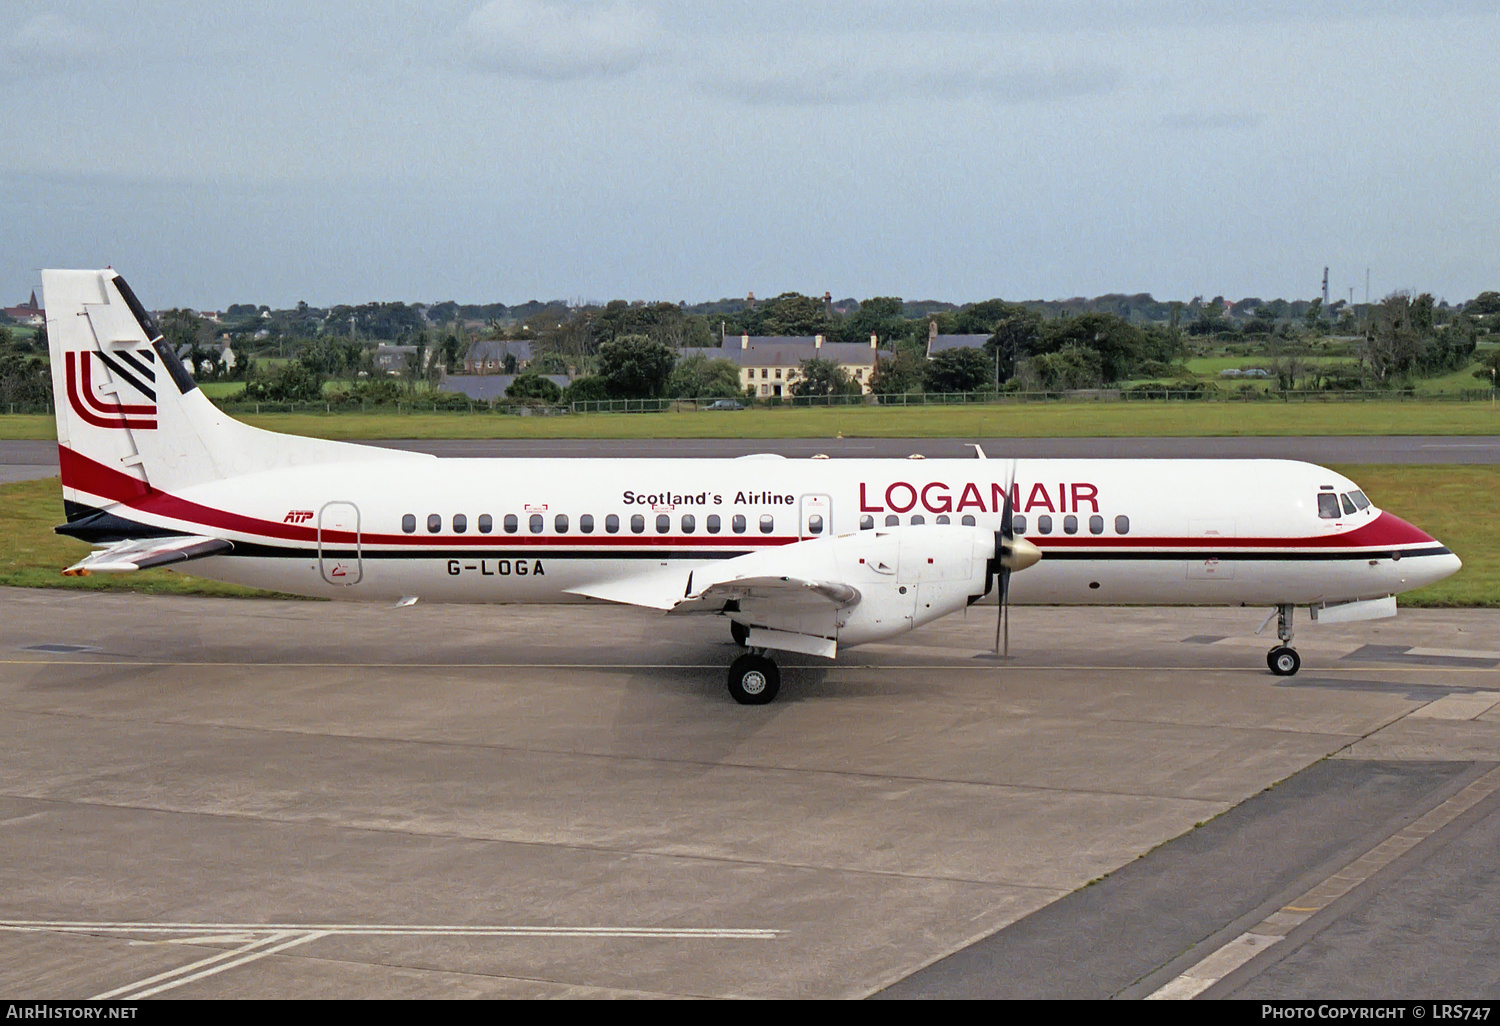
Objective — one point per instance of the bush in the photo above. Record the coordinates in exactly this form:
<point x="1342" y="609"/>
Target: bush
<point x="533" y="386"/>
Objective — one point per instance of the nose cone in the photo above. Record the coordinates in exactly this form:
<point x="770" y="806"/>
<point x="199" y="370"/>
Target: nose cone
<point x="1423" y="559"/>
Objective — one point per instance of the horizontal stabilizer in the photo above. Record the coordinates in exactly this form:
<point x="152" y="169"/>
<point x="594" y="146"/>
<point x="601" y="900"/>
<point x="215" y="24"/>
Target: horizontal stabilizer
<point x="143" y="554"/>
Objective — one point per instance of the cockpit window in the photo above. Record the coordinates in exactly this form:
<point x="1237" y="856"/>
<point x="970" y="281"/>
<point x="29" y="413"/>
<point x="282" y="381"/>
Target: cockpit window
<point x="1328" y="506"/>
<point x="1348" y="505"/>
<point x="1360" y="502"/>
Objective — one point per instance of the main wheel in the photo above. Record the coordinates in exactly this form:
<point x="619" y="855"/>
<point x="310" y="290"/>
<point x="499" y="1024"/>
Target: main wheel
<point x="1283" y="661"/>
<point x="739" y="632"/>
<point x="753" y="679"/>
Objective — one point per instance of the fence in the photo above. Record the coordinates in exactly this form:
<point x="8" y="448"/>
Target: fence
<point x="1139" y="394"/>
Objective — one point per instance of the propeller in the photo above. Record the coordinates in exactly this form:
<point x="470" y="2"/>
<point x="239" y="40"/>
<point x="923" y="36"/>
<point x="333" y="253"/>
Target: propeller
<point x="1011" y="554"/>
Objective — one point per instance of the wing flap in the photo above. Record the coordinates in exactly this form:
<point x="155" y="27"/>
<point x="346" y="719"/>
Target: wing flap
<point x="145" y="553"/>
<point x="787" y="591"/>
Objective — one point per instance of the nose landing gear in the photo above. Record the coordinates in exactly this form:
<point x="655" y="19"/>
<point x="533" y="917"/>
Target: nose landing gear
<point x="1283" y="659"/>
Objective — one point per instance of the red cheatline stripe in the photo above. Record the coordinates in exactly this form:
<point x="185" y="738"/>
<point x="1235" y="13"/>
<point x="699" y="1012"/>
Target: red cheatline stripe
<point x="80" y="472"/>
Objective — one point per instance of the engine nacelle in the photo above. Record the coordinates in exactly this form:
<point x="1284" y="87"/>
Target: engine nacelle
<point x="905" y="576"/>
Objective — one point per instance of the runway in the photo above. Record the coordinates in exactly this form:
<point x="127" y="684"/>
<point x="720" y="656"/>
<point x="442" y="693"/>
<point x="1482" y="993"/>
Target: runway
<point x="29" y="460"/>
<point x="248" y="798"/>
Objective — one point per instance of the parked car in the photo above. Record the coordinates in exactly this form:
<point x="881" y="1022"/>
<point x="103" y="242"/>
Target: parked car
<point x="725" y="404"/>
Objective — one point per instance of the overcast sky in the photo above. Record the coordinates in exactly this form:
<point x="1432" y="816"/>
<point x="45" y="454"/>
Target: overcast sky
<point x="220" y="152"/>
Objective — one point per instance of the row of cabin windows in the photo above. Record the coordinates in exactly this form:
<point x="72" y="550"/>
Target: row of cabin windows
<point x="536" y="523"/>
<point x="1019" y="523"/>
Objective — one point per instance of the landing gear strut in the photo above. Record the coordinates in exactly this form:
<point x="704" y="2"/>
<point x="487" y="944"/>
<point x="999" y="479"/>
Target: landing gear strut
<point x="754" y="679"/>
<point x="1283" y="659"/>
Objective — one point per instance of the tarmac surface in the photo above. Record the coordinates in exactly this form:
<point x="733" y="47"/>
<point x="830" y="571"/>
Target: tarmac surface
<point x="27" y="460"/>
<point x="255" y="798"/>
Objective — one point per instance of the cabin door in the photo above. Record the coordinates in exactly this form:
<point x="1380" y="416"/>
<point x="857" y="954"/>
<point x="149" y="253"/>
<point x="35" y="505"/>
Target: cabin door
<point x="815" y="519"/>
<point x="340" y="559"/>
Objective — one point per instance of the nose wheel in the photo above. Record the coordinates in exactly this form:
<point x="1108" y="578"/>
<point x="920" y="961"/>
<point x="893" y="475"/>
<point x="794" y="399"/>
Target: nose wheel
<point x="1283" y="659"/>
<point x="754" y="679"/>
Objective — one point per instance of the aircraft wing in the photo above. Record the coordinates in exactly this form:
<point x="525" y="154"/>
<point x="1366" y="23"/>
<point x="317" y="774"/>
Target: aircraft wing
<point x="145" y="553"/>
<point x="790" y="593"/>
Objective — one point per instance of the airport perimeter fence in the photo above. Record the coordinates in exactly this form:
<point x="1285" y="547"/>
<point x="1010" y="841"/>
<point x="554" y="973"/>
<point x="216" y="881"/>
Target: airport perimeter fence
<point x="537" y="408"/>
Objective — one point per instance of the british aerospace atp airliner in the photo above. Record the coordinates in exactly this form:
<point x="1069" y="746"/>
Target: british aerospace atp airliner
<point x="800" y="556"/>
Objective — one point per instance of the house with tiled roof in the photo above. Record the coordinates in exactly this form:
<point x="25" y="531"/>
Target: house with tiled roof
<point x="488" y="356"/>
<point x="30" y="314"/>
<point x="938" y="343"/>
<point x="770" y="363"/>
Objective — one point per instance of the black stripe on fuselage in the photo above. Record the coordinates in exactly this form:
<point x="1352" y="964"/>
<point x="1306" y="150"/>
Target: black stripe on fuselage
<point x="539" y="552"/>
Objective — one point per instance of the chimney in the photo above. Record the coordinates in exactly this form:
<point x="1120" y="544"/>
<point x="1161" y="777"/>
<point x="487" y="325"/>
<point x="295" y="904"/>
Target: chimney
<point x="745" y="341"/>
<point x="817" y="341"/>
<point x="828" y="303"/>
<point x="874" y="341"/>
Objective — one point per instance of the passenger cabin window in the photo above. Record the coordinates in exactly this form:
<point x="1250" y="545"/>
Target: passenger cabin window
<point x="637" y="523"/>
<point x="486" y="523"/>
<point x="892" y="520"/>
<point x="968" y="520"/>
<point x="434" y="523"/>
<point x="1349" y="508"/>
<point x="663" y="523"/>
<point x="1070" y="524"/>
<point x="918" y="519"/>
<point x="560" y="523"/>
<point x="943" y="519"/>
<point x="409" y="523"/>
<point x="815" y="524"/>
<point x="460" y="523"/>
<point x="535" y="523"/>
<point x="738" y="523"/>
<point x="713" y="523"/>
<point x="767" y="523"/>
<point x="1328" y="506"/>
<point x="512" y="525"/>
<point x="1096" y="524"/>
<point x="1044" y="523"/>
<point x="612" y="524"/>
<point x="586" y="523"/>
<point x="866" y="523"/>
<point x="1018" y="523"/>
<point x="1122" y="525"/>
<point x="689" y="523"/>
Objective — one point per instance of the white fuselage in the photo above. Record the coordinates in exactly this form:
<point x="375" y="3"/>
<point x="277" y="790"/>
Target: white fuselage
<point x="1120" y="531"/>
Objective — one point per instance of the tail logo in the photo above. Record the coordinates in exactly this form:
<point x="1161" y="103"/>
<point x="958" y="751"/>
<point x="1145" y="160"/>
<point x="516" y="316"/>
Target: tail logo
<point x="132" y="377"/>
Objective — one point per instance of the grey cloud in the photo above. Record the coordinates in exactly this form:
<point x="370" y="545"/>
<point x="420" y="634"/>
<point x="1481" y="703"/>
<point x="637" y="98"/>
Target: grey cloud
<point x="846" y="85"/>
<point x="1200" y="121"/>
<point x="553" y="41"/>
<point x="46" y="44"/>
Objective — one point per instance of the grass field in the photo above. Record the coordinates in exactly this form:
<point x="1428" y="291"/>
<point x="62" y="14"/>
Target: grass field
<point x="1029" y="420"/>
<point x="1453" y="503"/>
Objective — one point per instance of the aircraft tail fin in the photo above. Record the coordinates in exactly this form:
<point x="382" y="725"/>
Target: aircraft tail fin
<point x="130" y="417"/>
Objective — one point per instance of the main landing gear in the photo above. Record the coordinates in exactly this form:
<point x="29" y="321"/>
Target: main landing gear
<point x="754" y="679"/>
<point x="1283" y="659"/>
<point x="739" y="632"/>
